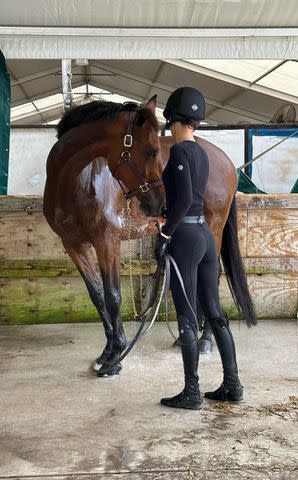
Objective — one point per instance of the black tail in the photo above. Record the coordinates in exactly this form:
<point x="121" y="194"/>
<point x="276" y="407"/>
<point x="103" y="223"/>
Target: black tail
<point x="234" y="269"/>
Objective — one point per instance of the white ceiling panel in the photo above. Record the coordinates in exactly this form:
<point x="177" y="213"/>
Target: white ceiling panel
<point x="284" y="79"/>
<point x="248" y="70"/>
<point x="153" y="13"/>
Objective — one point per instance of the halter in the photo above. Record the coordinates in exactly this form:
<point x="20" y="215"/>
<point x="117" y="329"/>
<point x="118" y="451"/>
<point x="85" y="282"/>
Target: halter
<point x="125" y="157"/>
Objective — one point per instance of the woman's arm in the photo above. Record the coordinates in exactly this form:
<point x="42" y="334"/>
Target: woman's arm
<point x="181" y="177"/>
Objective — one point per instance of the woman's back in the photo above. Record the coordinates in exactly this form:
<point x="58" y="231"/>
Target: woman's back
<point x="185" y="179"/>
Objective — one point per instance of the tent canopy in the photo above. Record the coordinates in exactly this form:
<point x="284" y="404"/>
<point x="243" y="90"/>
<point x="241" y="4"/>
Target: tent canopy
<point x="142" y="29"/>
<point x="236" y="91"/>
<point x="171" y="39"/>
<point x="153" y="13"/>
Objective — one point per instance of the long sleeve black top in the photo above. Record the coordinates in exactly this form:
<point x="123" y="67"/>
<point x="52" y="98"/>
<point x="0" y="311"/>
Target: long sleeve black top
<point x="185" y="178"/>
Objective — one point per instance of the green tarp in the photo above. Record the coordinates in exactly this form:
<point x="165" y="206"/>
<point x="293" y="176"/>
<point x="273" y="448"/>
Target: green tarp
<point x="295" y="187"/>
<point x="4" y="124"/>
<point x="245" y="185"/>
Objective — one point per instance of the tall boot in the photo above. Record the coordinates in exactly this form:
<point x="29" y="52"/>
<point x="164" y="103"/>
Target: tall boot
<point x="190" y="397"/>
<point x="231" y="388"/>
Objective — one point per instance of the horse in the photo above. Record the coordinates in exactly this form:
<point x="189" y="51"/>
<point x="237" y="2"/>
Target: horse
<point x="85" y="202"/>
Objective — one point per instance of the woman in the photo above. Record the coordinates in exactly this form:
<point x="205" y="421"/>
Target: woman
<point x="187" y="237"/>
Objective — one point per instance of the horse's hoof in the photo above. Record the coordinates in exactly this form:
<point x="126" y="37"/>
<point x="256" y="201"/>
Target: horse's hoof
<point x="205" y="345"/>
<point x="106" y="371"/>
<point x="96" y="365"/>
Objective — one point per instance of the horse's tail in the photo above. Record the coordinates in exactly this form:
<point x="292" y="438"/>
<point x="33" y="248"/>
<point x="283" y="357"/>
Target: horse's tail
<point x="234" y="269"/>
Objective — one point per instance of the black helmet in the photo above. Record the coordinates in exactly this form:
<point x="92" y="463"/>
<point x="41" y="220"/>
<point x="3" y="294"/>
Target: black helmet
<point x="185" y="103"/>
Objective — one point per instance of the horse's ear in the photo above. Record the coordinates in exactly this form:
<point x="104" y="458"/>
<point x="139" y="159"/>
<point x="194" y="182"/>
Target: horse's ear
<point x="152" y="103"/>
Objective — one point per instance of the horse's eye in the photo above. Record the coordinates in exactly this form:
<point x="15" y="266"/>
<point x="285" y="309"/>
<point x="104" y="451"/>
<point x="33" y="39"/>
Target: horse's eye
<point x="152" y="153"/>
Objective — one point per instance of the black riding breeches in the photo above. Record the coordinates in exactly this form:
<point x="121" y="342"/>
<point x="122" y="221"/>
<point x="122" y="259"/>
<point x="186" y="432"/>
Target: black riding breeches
<point x="193" y="248"/>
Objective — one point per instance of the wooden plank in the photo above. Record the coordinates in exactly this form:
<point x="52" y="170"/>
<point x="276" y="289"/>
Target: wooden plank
<point x="251" y="201"/>
<point x="65" y="268"/>
<point x="53" y="300"/>
<point x="242" y="231"/>
<point x="145" y="267"/>
<point x="272" y="233"/>
<point x="65" y="299"/>
<point x="274" y="296"/>
<point x="18" y="203"/>
<point x="30" y="237"/>
<point x="34" y="265"/>
<point x="258" y="266"/>
<point x="268" y="201"/>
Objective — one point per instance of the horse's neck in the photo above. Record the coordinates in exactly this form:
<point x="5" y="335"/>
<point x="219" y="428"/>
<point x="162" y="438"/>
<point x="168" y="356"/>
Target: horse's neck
<point x="80" y="147"/>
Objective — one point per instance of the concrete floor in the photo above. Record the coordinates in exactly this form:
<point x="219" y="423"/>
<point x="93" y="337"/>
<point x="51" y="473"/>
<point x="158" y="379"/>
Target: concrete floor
<point x="58" y="421"/>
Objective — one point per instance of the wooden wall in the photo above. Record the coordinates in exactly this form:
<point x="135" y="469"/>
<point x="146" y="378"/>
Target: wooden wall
<point x="39" y="284"/>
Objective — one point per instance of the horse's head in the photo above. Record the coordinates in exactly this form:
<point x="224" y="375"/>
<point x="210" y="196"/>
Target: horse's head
<point x="136" y="157"/>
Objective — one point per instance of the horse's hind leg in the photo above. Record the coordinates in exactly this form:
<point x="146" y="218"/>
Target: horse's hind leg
<point x="109" y="262"/>
<point x="205" y="341"/>
<point x="85" y="262"/>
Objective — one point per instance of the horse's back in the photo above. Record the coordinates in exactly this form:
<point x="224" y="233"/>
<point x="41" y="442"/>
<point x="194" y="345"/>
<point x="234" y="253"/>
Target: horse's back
<point x="222" y="172"/>
<point x="221" y="186"/>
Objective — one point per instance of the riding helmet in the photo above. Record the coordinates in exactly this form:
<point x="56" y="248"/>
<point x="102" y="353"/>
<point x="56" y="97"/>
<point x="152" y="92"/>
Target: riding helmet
<point x="183" y="105"/>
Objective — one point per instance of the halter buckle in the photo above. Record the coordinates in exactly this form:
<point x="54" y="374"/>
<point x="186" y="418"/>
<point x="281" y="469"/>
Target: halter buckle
<point x="127" y="140"/>
<point x="125" y="155"/>
<point x="145" y="187"/>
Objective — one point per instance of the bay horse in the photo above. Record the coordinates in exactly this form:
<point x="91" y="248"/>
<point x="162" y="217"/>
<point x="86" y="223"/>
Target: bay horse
<point x="84" y="203"/>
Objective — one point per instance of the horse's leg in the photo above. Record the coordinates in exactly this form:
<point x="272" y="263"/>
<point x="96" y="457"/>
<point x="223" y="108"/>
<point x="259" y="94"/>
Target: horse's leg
<point x="205" y="341"/>
<point x="85" y="262"/>
<point x="109" y="263"/>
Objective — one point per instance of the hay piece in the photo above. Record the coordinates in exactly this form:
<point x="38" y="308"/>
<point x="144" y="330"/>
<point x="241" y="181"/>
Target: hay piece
<point x="282" y="410"/>
<point x="223" y="407"/>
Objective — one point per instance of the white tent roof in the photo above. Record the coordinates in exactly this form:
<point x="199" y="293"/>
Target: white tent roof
<point x="147" y="29"/>
<point x="138" y="48"/>
<point x="150" y="13"/>
<point x="235" y="91"/>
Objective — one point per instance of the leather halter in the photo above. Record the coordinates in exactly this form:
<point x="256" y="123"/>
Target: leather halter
<point x="125" y="158"/>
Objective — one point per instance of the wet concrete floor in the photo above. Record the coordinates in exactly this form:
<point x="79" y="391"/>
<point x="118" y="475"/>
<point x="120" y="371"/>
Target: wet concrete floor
<point x="59" y="421"/>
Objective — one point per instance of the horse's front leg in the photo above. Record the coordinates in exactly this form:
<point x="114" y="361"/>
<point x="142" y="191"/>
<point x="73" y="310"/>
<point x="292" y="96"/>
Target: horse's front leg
<point x="109" y="263"/>
<point x="85" y="262"/>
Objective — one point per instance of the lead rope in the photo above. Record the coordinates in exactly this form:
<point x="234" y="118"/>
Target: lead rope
<point x="143" y="329"/>
<point x="267" y="150"/>
<point x="129" y="228"/>
<point x="168" y="261"/>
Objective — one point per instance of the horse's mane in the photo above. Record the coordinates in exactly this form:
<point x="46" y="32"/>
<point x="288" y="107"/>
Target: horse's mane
<point x="101" y="110"/>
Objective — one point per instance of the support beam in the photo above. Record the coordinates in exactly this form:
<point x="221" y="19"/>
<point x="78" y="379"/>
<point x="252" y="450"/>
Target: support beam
<point x="168" y="89"/>
<point x="154" y="80"/>
<point x="49" y="114"/>
<point x="36" y="76"/>
<point x="45" y="94"/>
<point x="148" y="43"/>
<point x="123" y="32"/>
<point x="66" y="83"/>
<point x="29" y="99"/>
<point x="233" y="80"/>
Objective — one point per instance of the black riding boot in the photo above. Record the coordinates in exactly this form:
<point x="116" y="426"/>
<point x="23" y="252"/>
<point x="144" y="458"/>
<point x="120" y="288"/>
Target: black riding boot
<point x="231" y="388"/>
<point x="190" y="397"/>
